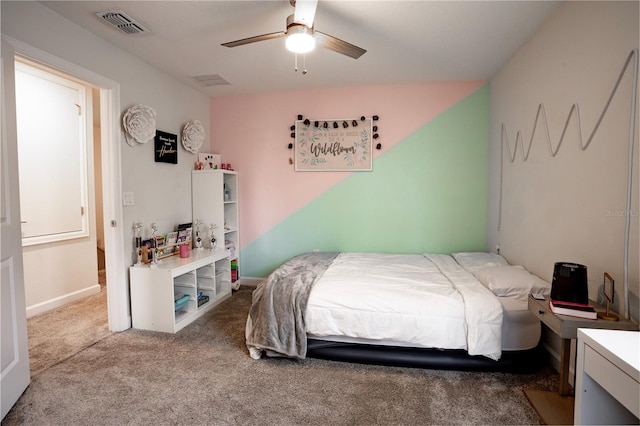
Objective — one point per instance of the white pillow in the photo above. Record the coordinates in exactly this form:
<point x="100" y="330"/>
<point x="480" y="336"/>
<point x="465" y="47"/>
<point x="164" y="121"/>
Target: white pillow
<point x="512" y="281"/>
<point x="473" y="261"/>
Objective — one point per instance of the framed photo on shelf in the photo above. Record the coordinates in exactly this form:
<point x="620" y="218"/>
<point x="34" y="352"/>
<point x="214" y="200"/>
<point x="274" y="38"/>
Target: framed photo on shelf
<point x="209" y="161"/>
<point x="184" y="226"/>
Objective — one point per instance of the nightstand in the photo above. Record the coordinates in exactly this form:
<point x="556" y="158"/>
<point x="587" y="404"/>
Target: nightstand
<point x="557" y="407"/>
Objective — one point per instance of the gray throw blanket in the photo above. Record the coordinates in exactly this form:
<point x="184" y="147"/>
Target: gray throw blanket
<point x="276" y="323"/>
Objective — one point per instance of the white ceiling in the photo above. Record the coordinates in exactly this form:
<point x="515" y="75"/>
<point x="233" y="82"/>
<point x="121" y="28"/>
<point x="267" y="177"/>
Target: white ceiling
<point x="406" y="41"/>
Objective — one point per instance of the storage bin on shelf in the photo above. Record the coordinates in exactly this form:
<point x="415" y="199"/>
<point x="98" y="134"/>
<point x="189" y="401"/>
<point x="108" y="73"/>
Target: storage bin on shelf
<point x="234" y="270"/>
<point x="180" y="301"/>
<point x="202" y="299"/>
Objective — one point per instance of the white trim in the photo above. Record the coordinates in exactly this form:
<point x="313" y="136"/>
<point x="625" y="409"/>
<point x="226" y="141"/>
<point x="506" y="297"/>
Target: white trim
<point x="61" y="300"/>
<point x="116" y="266"/>
<point x="250" y="281"/>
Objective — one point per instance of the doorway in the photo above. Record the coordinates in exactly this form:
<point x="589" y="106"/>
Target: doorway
<point x="58" y="186"/>
<point x="115" y="260"/>
<point x="58" y="129"/>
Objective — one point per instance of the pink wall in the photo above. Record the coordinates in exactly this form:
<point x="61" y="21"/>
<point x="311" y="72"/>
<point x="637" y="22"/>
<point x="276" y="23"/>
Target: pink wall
<point x="252" y="133"/>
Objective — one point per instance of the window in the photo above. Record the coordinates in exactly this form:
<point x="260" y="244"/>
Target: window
<point x="52" y="154"/>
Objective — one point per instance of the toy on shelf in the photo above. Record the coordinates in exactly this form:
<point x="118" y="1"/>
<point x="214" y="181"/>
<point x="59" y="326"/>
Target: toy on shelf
<point x="212" y="237"/>
<point x="154" y="245"/>
<point x="137" y="226"/>
<point x="198" y="241"/>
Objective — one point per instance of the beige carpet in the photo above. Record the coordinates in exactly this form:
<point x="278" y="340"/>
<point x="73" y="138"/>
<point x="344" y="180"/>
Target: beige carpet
<point x="203" y="375"/>
<point x="56" y="335"/>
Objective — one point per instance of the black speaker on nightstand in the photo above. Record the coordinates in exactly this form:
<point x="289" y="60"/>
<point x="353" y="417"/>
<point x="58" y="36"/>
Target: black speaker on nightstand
<point x="569" y="283"/>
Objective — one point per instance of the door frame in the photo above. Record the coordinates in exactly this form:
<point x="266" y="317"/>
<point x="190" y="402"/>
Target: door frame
<point x="115" y="262"/>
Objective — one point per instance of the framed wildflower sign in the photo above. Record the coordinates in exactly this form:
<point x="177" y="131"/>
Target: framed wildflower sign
<point x="333" y="145"/>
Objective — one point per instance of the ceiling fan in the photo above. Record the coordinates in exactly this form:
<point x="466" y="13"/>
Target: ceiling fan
<point x="301" y="36"/>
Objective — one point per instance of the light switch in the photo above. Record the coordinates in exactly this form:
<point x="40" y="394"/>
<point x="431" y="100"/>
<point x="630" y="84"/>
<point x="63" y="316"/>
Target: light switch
<point x="127" y="198"/>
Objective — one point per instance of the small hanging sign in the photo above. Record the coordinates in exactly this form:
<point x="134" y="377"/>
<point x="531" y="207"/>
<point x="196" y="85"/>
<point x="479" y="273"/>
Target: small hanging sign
<point x="166" y="148"/>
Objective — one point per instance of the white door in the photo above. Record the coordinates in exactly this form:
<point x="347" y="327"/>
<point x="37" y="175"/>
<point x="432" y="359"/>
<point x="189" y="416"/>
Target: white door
<point x="14" y="358"/>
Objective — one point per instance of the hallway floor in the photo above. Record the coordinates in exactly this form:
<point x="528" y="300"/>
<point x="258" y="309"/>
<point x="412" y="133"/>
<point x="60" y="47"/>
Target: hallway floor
<point x="58" y="334"/>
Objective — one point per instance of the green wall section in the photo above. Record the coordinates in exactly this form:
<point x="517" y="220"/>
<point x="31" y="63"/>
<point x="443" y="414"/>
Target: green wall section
<point x="426" y="194"/>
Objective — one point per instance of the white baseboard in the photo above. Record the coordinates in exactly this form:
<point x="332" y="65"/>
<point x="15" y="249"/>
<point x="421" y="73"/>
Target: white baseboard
<point x="553" y="358"/>
<point x="61" y="301"/>
<point x="251" y="281"/>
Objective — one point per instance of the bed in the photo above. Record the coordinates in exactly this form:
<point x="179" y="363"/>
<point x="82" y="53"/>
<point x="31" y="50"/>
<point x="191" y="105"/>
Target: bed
<point x="463" y="311"/>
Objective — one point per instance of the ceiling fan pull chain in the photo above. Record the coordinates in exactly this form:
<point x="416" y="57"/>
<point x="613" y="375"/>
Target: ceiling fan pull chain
<point x="296" y="62"/>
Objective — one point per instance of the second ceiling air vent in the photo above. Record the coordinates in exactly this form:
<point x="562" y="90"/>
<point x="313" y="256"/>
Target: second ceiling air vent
<point x="210" y="80"/>
<point x="122" y="22"/>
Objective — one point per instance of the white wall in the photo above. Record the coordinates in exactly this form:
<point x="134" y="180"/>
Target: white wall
<point x="571" y="207"/>
<point x="162" y="191"/>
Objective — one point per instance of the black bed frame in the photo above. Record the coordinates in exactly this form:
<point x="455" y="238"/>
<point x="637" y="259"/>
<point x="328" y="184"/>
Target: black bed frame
<point x="526" y="361"/>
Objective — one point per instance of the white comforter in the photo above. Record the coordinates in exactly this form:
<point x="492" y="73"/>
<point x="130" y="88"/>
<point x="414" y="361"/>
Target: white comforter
<point x="410" y="299"/>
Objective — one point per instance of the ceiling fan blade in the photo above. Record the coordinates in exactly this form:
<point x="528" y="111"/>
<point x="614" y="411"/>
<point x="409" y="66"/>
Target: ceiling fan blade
<point x="337" y="45"/>
<point x="305" y="12"/>
<point x="254" y="39"/>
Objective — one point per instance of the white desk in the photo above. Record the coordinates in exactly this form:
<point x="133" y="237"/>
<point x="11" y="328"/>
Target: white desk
<point x="607" y="377"/>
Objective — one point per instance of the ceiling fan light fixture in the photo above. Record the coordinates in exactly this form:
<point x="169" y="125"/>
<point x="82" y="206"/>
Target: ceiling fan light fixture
<point x="300" y="39"/>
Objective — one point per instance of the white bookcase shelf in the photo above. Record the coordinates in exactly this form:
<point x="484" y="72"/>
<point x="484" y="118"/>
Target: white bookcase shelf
<point x="179" y="290"/>
<point x="214" y="198"/>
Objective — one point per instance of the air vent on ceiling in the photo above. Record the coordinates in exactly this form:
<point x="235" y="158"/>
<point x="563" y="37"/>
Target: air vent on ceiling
<point x="121" y="21"/>
<point x="211" y="80"/>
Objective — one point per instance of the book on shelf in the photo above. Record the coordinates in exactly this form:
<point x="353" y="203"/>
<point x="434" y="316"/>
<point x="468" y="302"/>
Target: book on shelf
<point x="573" y="309"/>
<point x="160" y="240"/>
<point x="172" y="237"/>
<point x="184" y="235"/>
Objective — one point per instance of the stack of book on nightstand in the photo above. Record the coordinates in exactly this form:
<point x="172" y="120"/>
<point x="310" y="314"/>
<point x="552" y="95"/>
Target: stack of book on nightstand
<point x="579" y="310"/>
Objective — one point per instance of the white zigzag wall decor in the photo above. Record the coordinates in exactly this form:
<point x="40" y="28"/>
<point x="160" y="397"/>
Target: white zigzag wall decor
<point x="574" y="111"/>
